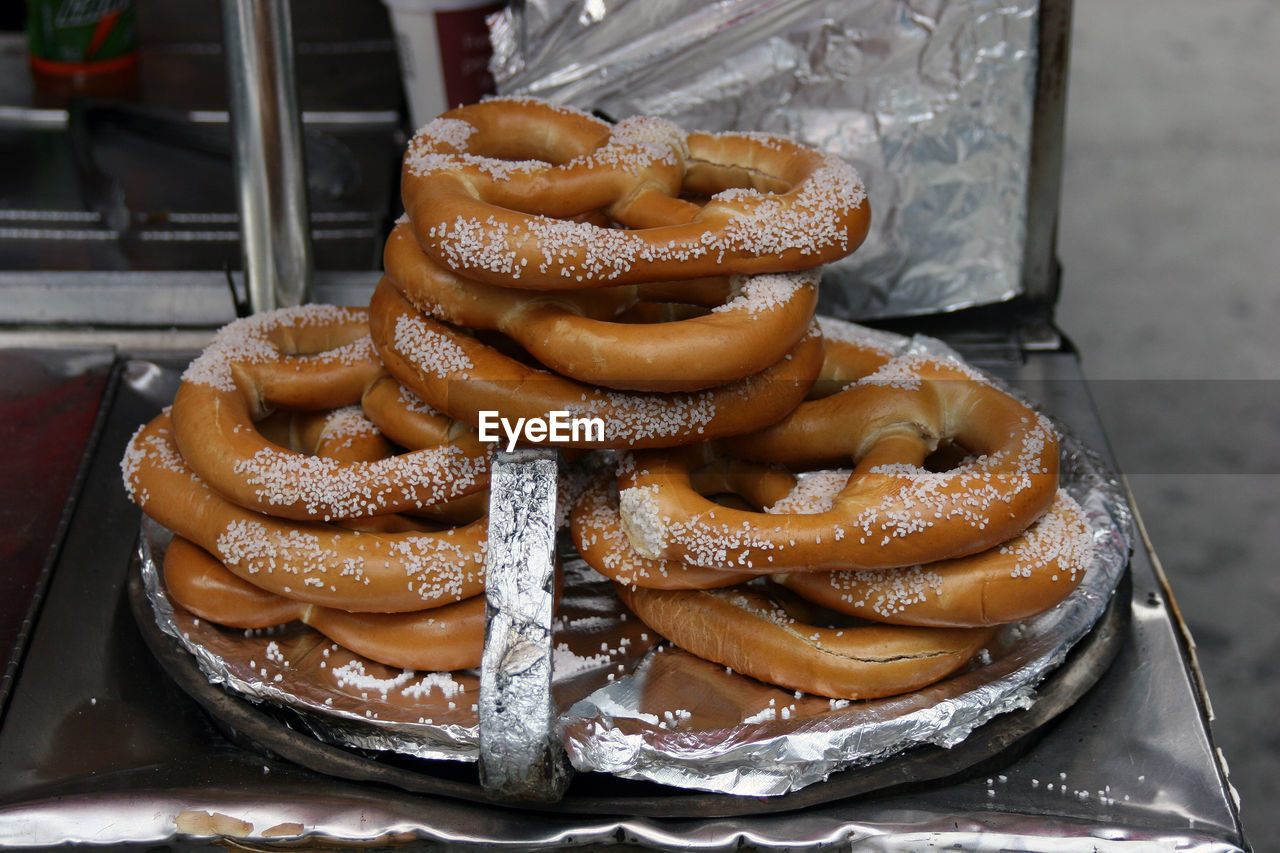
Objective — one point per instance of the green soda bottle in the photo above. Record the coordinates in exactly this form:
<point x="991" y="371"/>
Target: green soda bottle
<point x="87" y="47"/>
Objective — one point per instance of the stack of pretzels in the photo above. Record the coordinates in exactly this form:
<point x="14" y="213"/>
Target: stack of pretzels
<point x="771" y="468"/>
<point x="949" y="523"/>
<point x="287" y="500"/>
<point x="659" y="280"/>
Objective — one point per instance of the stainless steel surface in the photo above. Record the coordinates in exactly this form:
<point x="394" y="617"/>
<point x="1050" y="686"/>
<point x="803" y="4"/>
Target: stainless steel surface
<point x="270" y="169"/>
<point x="143" y="299"/>
<point x="1044" y="169"/>
<point x="931" y="102"/>
<point x="98" y="742"/>
<point x="1169" y="293"/>
<point x="520" y="753"/>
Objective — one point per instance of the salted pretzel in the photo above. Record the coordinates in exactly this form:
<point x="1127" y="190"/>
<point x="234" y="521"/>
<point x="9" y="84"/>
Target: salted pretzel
<point x="443" y="638"/>
<point x="1028" y="575"/>
<point x="314" y="562"/>
<point x="462" y="376"/>
<point x="764" y="636"/>
<point x="349" y="435"/>
<point x="311" y="357"/>
<point x="490" y="190"/>
<point x="512" y="161"/>
<point x="891" y="511"/>
<point x="749" y="326"/>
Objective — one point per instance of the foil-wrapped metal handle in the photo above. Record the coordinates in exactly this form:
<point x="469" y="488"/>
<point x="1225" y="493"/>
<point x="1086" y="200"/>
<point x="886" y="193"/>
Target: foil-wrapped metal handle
<point x="521" y="757"/>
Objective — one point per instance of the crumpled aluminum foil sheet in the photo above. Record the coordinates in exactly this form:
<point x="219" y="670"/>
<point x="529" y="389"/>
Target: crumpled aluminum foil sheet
<point x="931" y="101"/>
<point x="639" y="708"/>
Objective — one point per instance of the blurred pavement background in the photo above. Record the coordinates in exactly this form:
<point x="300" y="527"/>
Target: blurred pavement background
<point x="1171" y="254"/>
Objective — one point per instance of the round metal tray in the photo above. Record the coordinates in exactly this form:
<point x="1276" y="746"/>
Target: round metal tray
<point x="1000" y="739"/>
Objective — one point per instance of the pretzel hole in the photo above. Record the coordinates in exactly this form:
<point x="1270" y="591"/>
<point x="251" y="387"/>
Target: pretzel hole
<point x="707" y="292"/>
<point x="741" y="485"/>
<point x="645" y="313"/>
<point x="503" y="344"/>
<point x="277" y="427"/>
<point x="520" y="148"/>
<point x="704" y="179"/>
<point x="517" y="136"/>
<point x="313" y="340"/>
<point x="948" y="457"/>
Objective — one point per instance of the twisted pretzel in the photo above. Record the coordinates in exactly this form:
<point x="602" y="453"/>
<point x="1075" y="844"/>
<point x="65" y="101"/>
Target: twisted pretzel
<point x="1018" y="579"/>
<point x="444" y="638"/>
<point x="313" y="562"/>
<point x="891" y="511"/>
<point x="774" y="205"/>
<point x="461" y="376"/>
<point x="749" y="327"/>
<point x="506" y="162"/>
<point x="312" y="357"/>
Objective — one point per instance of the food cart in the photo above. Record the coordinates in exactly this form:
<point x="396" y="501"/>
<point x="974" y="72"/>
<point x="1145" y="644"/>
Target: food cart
<point x="112" y="733"/>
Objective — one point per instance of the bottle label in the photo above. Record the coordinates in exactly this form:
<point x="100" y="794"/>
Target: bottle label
<point x="81" y="32"/>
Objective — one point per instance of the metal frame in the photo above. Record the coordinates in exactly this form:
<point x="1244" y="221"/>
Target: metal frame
<point x="1041" y="278"/>
<point x="270" y="167"/>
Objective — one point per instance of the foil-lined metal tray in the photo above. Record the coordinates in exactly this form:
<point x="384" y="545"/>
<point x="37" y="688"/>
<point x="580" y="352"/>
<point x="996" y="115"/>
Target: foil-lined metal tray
<point x="635" y="708"/>
<point x="101" y="746"/>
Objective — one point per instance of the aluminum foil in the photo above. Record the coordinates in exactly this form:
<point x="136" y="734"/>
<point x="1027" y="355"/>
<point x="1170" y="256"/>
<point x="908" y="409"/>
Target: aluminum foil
<point x="929" y="99"/>
<point x="636" y="707"/>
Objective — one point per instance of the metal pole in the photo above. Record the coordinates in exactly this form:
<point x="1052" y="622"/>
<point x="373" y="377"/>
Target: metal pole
<point x="270" y="174"/>
<point x="1040" y="274"/>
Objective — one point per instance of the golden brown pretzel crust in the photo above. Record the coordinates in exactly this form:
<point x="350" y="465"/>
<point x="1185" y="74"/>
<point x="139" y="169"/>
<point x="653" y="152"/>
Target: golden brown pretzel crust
<point x="313" y="357"/>
<point x="774" y="205"/>
<point x="509" y="162"/>
<point x="444" y="638"/>
<point x="309" y="561"/>
<point x="892" y="511"/>
<point x="461" y="377"/>
<point x="578" y="335"/>
<point x="750" y="632"/>
<point x="1018" y="579"/>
